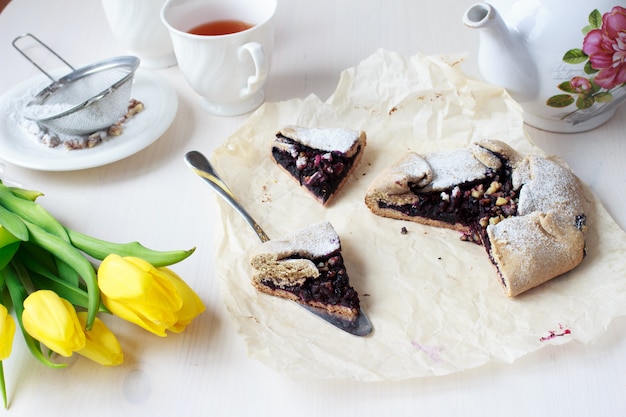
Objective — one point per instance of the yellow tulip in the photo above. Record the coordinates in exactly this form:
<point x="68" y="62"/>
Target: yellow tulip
<point x="7" y="331"/>
<point x="53" y="321"/>
<point x="136" y="291"/>
<point x="101" y="344"/>
<point x="192" y="305"/>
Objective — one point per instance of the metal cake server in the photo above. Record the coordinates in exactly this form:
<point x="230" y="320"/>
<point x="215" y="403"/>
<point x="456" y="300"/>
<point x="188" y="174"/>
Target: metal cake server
<point x="200" y="165"/>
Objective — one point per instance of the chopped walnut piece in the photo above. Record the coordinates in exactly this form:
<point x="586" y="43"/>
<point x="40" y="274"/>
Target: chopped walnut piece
<point x="115" y="130"/>
<point x="493" y="187"/>
<point x="501" y="201"/>
<point x="134" y="107"/>
<point x="53" y="140"/>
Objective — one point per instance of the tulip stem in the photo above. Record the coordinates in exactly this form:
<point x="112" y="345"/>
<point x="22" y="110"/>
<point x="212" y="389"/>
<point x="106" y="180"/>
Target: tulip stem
<point x="3" y="386"/>
<point x="100" y="249"/>
<point x="30" y="211"/>
<point x="72" y="257"/>
<point x="31" y="195"/>
<point x="43" y="278"/>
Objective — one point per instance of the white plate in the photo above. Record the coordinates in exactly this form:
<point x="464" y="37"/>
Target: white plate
<point x="19" y="147"/>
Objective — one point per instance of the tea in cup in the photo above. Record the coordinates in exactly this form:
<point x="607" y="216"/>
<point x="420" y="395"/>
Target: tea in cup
<point x="223" y="49"/>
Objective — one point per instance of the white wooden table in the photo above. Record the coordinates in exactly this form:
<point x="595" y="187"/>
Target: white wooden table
<point x="152" y="197"/>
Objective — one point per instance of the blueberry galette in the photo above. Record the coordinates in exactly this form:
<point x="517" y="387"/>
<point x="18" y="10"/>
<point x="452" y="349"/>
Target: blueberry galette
<point x="306" y="267"/>
<point x="320" y="159"/>
<point x="527" y="211"/>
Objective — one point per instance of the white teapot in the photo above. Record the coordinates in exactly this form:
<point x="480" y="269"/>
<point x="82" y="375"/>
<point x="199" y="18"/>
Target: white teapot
<point x="563" y="61"/>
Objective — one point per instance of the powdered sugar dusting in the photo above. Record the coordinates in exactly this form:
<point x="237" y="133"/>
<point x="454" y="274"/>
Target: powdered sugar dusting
<point x="45" y="111"/>
<point x="327" y="139"/>
<point x="313" y="241"/>
<point x="552" y="188"/>
<point x="453" y="167"/>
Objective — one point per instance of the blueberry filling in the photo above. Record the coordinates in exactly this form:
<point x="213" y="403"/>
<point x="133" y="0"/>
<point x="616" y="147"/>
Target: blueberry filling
<point x="474" y="204"/>
<point x="331" y="287"/>
<point x="319" y="171"/>
<point x="580" y="222"/>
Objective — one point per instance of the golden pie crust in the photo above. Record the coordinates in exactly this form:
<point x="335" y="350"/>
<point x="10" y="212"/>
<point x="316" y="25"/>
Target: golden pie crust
<point x="544" y="239"/>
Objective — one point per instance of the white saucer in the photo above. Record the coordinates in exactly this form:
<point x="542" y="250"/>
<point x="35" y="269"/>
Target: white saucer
<point x="19" y="147"/>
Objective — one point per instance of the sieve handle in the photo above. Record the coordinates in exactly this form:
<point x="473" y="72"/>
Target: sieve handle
<point x="29" y="35"/>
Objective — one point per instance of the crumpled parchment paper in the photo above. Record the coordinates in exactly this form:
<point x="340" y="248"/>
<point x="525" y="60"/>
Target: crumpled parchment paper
<point x="434" y="300"/>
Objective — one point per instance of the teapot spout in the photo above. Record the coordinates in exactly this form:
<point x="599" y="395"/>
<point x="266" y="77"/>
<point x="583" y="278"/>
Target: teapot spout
<point x="504" y="58"/>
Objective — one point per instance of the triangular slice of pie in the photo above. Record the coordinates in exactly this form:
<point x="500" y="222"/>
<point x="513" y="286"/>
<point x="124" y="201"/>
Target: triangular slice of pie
<point x="320" y="159"/>
<point x="307" y="267"/>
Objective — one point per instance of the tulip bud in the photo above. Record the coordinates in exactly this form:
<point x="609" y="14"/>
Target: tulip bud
<point x="53" y="321"/>
<point x="136" y="291"/>
<point x="101" y="344"/>
<point x="192" y="305"/>
<point x="7" y="331"/>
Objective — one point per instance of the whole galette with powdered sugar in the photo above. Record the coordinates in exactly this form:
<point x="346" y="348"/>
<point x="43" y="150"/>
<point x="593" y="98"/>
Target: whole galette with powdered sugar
<point x="527" y="211"/>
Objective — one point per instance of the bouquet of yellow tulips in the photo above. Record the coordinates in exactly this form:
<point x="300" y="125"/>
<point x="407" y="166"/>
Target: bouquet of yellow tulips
<point x="58" y="280"/>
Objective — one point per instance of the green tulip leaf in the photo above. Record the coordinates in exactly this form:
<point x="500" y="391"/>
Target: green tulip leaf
<point x="560" y="100"/>
<point x="36" y="254"/>
<point x="31" y="211"/>
<point x="13" y="224"/>
<point x="75" y="295"/>
<point x="7" y="252"/>
<point x="44" y="278"/>
<point x="67" y="272"/>
<point x="31" y="195"/>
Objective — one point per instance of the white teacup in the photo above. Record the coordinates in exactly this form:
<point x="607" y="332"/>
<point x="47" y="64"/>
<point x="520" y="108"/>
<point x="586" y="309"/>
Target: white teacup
<point x="228" y="71"/>
<point x="137" y="26"/>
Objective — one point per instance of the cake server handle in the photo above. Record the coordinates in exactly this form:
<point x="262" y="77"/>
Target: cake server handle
<point x="201" y="166"/>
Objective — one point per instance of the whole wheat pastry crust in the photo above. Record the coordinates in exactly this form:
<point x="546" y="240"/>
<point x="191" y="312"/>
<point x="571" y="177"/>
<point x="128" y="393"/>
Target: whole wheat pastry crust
<point x="307" y="267"/>
<point x="532" y="222"/>
<point x="319" y="159"/>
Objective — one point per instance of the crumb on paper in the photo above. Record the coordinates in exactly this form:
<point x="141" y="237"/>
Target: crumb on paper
<point x="265" y="197"/>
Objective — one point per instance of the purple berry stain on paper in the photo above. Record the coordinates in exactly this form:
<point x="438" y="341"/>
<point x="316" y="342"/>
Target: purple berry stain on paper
<point x="562" y="331"/>
<point x="433" y="352"/>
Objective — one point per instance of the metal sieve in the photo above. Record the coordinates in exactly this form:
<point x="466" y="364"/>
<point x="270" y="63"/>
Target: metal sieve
<point x="87" y="99"/>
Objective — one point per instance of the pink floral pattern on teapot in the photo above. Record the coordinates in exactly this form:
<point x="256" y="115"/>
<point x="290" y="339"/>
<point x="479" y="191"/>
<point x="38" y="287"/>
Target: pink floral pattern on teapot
<point x="604" y="54"/>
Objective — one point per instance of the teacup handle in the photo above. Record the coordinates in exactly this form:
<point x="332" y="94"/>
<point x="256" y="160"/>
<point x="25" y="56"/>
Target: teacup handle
<point x="256" y="81"/>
